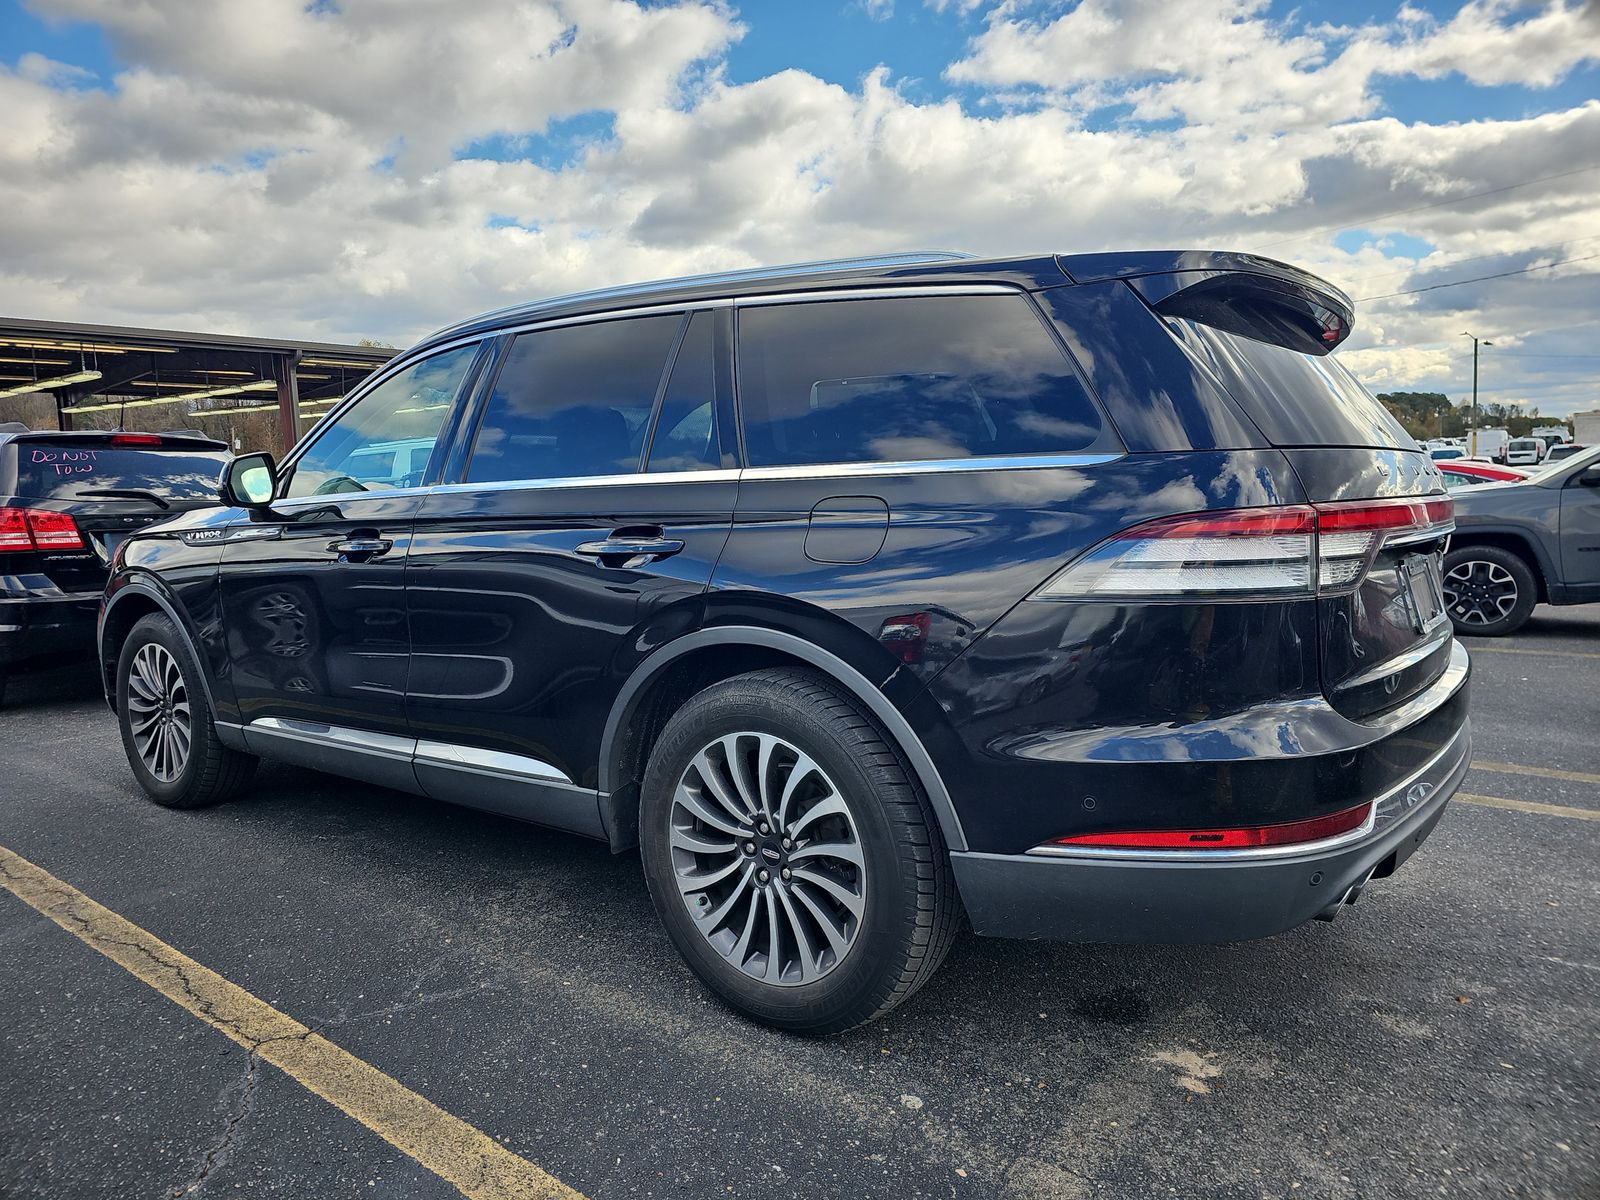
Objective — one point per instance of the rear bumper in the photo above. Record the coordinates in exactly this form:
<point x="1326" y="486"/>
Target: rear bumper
<point x="1097" y="895"/>
<point x="60" y="624"/>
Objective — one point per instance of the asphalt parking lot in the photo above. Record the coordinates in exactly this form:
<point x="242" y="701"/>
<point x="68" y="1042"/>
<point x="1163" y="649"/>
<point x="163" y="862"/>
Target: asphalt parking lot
<point x="1441" y="1038"/>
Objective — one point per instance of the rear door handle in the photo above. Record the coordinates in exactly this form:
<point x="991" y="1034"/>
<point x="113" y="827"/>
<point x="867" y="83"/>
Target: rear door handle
<point x="360" y="549"/>
<point x="627" y="552"/>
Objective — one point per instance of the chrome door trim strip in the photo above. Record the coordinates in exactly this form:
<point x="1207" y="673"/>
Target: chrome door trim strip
<point x="317" y="733"/>
<point x="1256" y="853"/>
<point x="514" y="767"/>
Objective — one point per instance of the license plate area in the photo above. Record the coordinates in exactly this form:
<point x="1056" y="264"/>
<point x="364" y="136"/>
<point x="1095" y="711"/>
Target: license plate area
<point x="1424" y="590"/>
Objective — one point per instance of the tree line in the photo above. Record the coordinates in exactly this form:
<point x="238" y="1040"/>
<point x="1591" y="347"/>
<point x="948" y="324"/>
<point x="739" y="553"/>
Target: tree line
<point x="1430" y="415"/>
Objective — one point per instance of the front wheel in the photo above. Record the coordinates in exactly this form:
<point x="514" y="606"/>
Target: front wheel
<point x="1488" y="591"/>
<point x="168" y="730"/>
<point x="791" y="855"/>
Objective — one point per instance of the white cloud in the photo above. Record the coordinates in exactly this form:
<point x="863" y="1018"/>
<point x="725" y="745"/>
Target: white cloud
<point x="294" y="172"/>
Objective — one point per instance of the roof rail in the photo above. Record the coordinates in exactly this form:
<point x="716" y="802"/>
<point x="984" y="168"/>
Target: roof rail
<point x="903" y="258"/>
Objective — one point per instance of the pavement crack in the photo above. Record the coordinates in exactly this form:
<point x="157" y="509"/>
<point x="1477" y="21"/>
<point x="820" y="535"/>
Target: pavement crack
<point x="232" y="1129"/>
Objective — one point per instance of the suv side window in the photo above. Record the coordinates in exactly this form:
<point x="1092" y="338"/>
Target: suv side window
<point x="386" y="438"/>
<point x="686" y="431"/>
<point x="903" y="379"/>
<point x="574" y="401"/>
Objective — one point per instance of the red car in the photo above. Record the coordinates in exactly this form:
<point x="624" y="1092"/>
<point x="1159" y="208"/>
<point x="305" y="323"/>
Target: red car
<point x="1462" y="472"/>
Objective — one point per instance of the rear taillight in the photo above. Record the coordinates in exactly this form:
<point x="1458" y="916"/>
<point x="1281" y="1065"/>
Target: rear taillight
<point x="1349" y="534"/>
<point x="38" y="529"/>
<point x="14" y="530"/>
<point x="1250" y="553"/>
<point x="1243" y="837"/>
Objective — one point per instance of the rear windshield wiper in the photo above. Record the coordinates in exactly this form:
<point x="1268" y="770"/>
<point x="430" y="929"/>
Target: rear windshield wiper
<point x="131" y="493"/>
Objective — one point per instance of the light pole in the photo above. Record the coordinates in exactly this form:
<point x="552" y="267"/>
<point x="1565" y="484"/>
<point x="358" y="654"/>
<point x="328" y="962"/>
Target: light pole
<point x="1472" y="429"/>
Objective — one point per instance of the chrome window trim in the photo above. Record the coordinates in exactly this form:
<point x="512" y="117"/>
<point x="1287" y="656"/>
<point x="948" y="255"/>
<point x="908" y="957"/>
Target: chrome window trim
<point x="999" y="462"/>
<point x="515" y="767"/>
<point x="518" y="485"/>
<point x="880" y="292"/>
<point x="799" y="471"/>
<point x="1257" y="853"/>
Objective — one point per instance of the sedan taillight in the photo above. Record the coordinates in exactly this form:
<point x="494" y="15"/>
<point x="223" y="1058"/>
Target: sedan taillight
<point x="1287" y="552"/>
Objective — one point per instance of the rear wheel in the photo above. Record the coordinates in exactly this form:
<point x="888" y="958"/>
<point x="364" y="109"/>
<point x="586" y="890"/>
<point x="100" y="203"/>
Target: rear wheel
<point x="791" y="856"/>
<point x="1488" y="591"/>
<point x="168" y="730"/>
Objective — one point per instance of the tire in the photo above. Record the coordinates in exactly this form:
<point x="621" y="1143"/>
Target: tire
<point x="1489" y="591"/>
<point x="174" y="775"/>
<point x="903" y="889"/>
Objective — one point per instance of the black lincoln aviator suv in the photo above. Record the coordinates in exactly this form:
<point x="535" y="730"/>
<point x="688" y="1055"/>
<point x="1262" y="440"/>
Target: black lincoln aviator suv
<point x="1086" y="595"/>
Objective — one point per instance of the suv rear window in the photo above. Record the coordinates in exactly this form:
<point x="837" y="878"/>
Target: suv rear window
<point x="67" y="470"/>
<point x="1295" y="399"/>
<point x="895" y="380"/>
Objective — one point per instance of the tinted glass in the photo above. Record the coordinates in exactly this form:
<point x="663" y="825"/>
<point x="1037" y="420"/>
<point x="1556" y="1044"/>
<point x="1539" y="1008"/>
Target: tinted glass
<point x="1295" y="399"/>
<point x="686" y="432"/>
<point x="927" y="377"/>
<point x="574" y="401"/>
<point x="66" y="471"/>
<point x="386" y="439"/>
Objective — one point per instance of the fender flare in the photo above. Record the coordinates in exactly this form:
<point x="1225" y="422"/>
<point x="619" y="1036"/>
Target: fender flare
<point x="1464" y="537"/>
<point x="841" y="672"/>
<point x="163" y="602"/>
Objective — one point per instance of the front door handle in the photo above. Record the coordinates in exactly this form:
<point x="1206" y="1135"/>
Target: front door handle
<point x="361" y="549"/>
<point x="627" y="552"/>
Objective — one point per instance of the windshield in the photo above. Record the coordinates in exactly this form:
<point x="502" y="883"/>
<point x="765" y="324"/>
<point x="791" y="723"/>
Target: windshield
<point x="1579" y="461"/>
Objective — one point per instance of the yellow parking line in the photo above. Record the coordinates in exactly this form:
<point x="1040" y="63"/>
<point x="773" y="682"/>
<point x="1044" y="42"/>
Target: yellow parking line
<point x="1548" y="810"/>
<point x="1500" y="768"/>
<point x="1476" y="649"/>
<point x="463" y="1156"/>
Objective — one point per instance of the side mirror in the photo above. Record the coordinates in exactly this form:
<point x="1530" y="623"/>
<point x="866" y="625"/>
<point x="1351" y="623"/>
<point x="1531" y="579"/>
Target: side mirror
<point x="1589" y="476"/>
<point x="249" y="481"/>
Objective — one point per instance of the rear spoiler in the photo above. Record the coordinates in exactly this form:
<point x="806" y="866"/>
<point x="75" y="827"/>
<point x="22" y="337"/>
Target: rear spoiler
<point x="1256" y="297"/>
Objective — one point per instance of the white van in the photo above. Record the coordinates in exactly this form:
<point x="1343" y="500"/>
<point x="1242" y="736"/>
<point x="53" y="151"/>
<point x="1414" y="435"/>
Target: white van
<point x="1525" y="452"/>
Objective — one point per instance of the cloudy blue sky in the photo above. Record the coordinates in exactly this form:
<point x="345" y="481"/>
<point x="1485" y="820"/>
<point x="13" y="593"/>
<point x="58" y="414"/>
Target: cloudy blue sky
<point x="348" y="168"/>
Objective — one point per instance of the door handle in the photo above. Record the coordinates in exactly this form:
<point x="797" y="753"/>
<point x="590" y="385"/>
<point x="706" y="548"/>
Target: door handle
<point x="365" y="547"/>
<point x="627" y="552"/>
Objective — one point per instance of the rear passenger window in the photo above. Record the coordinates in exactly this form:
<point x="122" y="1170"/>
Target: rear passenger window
<point x="574" y="401"/>
<point x="924" y="377"/>
<point x="686" y="433"/>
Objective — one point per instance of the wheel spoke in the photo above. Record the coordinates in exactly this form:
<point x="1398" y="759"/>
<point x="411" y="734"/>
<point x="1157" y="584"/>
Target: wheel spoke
<point x="838" y="891"/>
<point x="847" y="852"/>
<point x="825" y="921"/>
<point x="803" y="767"/>
<point x="717" y="789"/>
<point x="713" y="918"/>
<point x="690" y="882"/>
<point x="739" y="770"/>
<point x="832" y="806"/>
<point x="686" y="839"/>
<point x="805" y="950"/>
<point x="714" y="817"/>
<point x="160" y="720"/>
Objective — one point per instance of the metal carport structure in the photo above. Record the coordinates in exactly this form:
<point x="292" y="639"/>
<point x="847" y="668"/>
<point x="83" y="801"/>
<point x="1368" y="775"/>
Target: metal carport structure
<point x="111" y="376"/>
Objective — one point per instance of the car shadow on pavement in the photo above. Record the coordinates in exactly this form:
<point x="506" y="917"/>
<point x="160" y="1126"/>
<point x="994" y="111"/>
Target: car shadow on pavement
<point x="41" y="684"/>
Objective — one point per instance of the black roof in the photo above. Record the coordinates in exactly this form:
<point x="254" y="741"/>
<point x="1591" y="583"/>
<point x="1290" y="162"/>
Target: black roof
<point x="1030" y="272"/>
